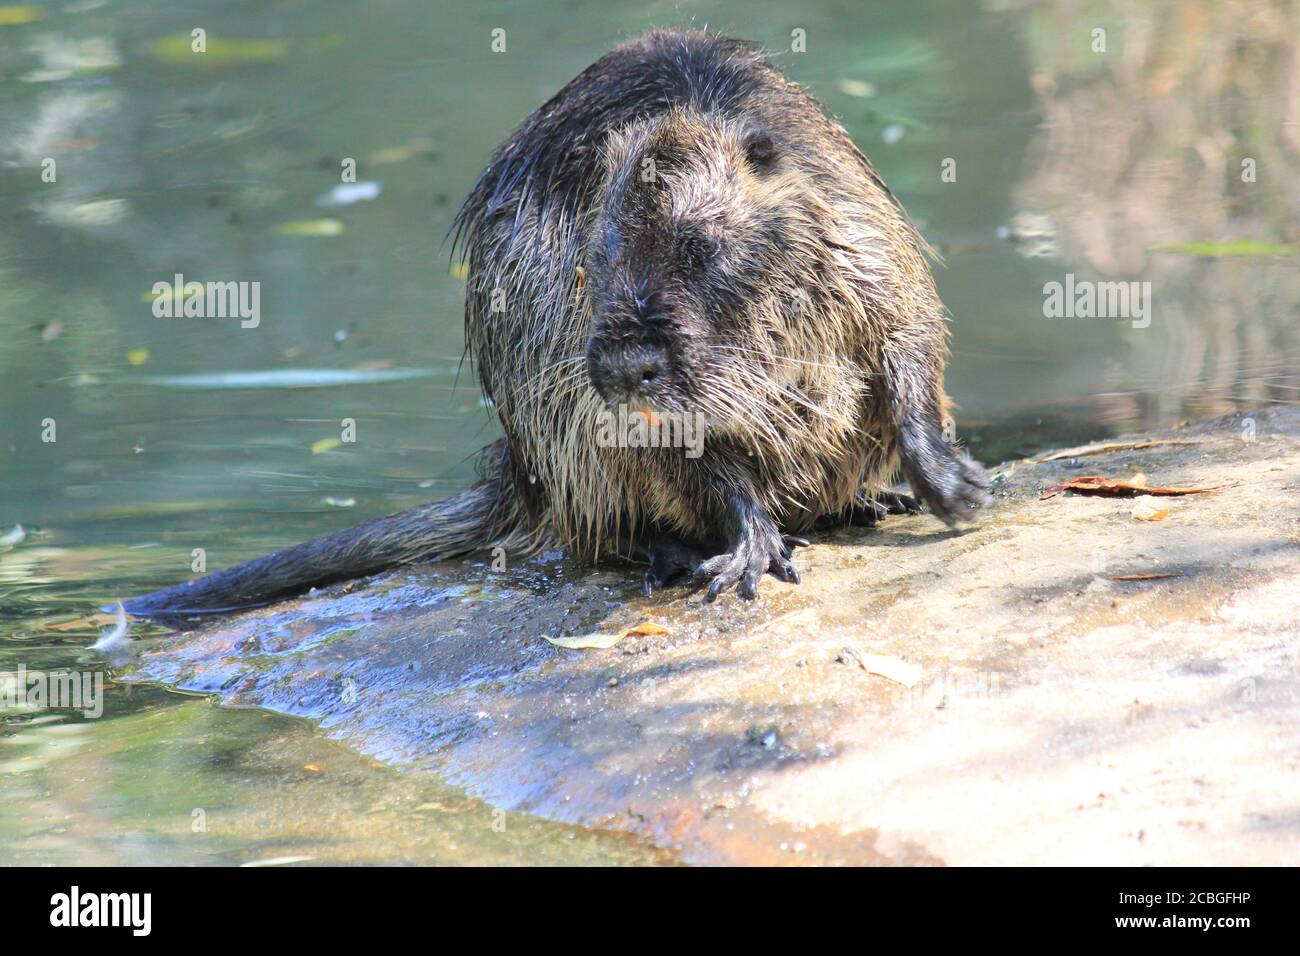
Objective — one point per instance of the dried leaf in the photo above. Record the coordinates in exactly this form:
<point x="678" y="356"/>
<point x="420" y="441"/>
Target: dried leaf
<point x="313" y="767"/>
<point x="1150" y="576"/>
<point x="890" y="668"/>
<point x="644" y="629"/>
<point x="1145" y="509"/>
<point x="1097" y="485"/>
<point x="595" y="641"/>
<point x="1103" y="448"/>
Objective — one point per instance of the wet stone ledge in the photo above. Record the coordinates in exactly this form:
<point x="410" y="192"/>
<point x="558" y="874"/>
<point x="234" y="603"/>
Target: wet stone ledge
<point x="1066" y="704"/>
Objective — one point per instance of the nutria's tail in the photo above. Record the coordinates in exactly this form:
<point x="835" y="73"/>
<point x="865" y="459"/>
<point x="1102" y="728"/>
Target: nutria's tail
<point x="482" y="516"/>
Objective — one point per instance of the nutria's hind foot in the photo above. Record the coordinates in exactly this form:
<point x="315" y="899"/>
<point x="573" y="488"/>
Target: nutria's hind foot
<point x="884" y="503"/>
<point x="948" y="480"/>
<point x="670" y="559"/>
<point x="879" y="506"/>
<point x="757" y="548"/>
<point x="870" y="510"/>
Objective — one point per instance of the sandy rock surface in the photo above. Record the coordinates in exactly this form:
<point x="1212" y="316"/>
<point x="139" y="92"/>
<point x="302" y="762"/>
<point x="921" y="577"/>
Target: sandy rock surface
<point x="1055" y="714"/>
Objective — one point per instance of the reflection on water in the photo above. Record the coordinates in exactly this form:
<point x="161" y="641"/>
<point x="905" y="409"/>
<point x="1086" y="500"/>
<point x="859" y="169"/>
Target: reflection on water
<point x="128" y="159"/>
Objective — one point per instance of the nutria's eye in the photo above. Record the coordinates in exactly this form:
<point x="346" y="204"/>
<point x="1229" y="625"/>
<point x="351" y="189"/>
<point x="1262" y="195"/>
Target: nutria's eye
<point x="695" y="251"/>
<point x="760" y="151"/>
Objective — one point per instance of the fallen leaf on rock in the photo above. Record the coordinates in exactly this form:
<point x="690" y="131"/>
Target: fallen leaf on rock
<point x="1097" y="485"/>
<point x="601" y="641"/>
<point x="586" y="641"/>
<point x="1145" y="509"/>
<point x="313" y="767"/>
<point x="890" y="668"/>
<point x="1150" y="576"/>
<point x="1102" y="448"/>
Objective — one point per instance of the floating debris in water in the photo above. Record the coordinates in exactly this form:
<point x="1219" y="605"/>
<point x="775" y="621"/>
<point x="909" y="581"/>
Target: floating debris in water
<point x="287" y="378"/>
<point x="855" y="87"/>
<point x="115" y="637"/>
<point x="11" y="16"/>
<point x="399" y="154"/>
<point x="63" y="58"/>
<point x="87" y="215"/>
<point x="345" y="194"/>
<point x="278" y="861"/>
<point x="218" y="51"/>
<point x="1238" y="247"/>
<point x="1033" y="234"/>
<point x="313" y="228"/>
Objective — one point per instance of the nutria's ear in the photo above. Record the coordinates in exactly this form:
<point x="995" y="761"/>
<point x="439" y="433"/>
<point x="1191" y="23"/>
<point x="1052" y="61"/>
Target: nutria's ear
<point x="760" y="151"/>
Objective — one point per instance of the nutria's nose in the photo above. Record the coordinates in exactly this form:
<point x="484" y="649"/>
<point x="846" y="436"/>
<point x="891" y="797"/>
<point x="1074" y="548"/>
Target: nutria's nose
<point x="637" y="369"/>
<point x="618" y="373"/>
<point x="647" y="371"/>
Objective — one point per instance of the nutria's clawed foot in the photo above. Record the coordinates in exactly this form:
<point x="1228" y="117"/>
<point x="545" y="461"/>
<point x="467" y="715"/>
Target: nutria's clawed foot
<point x="870" y="510"/>
<point x="757" y="548"/>
<point x="744" y="567"/>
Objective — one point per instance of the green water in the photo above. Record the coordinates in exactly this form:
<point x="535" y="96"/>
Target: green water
<point x="1103" y="165"/>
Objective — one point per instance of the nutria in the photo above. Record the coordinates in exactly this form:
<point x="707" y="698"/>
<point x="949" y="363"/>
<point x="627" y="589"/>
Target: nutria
<point x="683" y="231"/>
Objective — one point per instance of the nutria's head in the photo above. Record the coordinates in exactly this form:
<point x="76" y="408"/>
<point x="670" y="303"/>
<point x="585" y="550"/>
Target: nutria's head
<point x="703" y="229"/>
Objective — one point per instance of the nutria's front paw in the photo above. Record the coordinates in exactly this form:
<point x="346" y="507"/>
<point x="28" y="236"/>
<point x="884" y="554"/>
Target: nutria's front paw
<point x="954" y="489"/>
<point x="944" y="477"/>
<point x="747" y="562"/>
